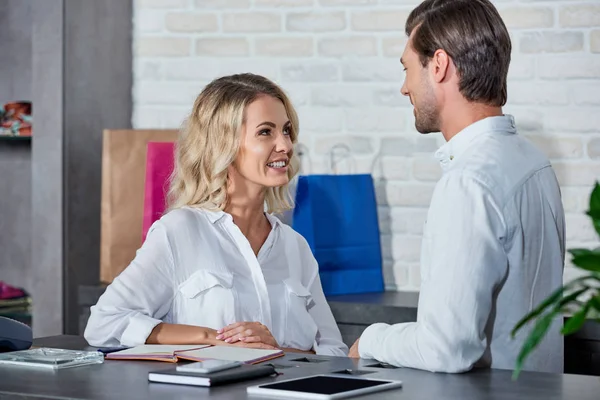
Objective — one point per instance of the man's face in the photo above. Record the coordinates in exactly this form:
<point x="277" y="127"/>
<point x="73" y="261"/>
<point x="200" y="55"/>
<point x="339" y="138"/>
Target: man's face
<point x="418" y="87"/>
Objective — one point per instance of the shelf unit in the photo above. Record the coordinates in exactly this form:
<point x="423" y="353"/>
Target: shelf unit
<point x="24" y="139"/>
<point x="68" y="58"/>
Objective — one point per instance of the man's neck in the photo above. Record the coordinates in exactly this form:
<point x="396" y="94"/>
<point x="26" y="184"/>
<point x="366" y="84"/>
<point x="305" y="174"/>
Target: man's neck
<point x="462" y="114"/>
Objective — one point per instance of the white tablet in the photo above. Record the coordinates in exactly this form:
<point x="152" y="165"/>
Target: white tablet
<point x="323" y="387"/>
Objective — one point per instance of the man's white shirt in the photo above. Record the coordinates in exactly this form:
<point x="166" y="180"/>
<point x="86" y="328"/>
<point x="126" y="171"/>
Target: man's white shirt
<point x="493" y="248"/>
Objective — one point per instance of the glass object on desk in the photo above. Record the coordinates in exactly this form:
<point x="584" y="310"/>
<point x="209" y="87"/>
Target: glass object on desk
<point x="50" y="358"/>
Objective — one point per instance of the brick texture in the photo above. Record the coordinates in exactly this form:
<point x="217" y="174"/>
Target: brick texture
<point x="339" y="62"/>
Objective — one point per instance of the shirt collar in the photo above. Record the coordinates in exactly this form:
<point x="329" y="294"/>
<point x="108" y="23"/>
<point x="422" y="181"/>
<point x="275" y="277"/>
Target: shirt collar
<point x="275" y="222"/>
<point x="215" y="216"/>
<point x="456" y="146"/>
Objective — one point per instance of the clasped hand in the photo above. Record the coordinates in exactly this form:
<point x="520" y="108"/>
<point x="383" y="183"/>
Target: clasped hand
<point x="248" y="334"/>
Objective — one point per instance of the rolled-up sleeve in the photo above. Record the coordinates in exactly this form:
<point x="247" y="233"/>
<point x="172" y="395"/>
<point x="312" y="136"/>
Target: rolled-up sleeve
<point x="137" y="300"/>
<point x="466" y="264"/>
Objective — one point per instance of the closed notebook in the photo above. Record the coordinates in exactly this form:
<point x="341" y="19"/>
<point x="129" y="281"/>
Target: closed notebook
<point x="174" y="353"/>
<point x="241" y="373"/>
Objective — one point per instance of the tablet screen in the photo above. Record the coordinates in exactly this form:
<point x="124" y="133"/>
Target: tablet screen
<point x="324" y="385"/>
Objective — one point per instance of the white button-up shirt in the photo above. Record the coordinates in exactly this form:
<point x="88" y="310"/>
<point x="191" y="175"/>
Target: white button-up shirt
<point x="493" y="248"/>
<point x="197" y="268"/>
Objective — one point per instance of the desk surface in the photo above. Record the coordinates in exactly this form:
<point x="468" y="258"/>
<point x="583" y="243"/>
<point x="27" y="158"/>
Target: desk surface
<point x="129" y="380"/>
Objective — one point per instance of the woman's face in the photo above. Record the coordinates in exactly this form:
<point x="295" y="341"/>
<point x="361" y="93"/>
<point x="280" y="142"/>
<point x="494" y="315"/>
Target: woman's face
<point x="265" y="144"/>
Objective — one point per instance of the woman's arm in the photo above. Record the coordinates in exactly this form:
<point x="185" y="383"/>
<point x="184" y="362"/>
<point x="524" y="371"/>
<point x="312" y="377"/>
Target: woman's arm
<point x="182" y="334"/>
<point x="130" y="311"/>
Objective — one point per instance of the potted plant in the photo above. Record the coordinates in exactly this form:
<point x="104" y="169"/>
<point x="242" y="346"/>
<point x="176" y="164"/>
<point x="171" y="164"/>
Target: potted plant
<point x="579" y="298"/>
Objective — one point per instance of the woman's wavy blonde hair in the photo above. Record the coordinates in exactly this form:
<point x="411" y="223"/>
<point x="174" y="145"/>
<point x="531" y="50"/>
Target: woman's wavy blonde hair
<point x="209" y="141"/>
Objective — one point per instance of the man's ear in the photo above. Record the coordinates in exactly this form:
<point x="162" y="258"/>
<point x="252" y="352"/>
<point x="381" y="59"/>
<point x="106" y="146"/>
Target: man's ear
<point x="439" y="66"/>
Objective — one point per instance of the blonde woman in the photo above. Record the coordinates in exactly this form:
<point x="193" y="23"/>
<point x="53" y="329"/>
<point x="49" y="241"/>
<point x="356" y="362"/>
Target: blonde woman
<point x="217" y="269"/>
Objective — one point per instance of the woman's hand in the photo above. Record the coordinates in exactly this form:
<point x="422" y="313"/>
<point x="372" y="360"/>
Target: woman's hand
<point x="251" y="333"/>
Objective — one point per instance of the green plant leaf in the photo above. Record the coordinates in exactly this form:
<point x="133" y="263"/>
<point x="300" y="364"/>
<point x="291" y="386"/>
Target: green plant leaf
<point x="596" y="223"/>
<point x="559" y="301"/>
<point x="534" y="338"/>
<point x="572" y="298"/>
<point x="579" y="252"/>
<point x="574" y="323"/>
<point x="555" y="297"/>
<point x="594" y="211"/>
<point x="586" y="259"/>
<point x="595" y="198"/>
<point x="589" y="261"/>
<point x="550" y="300"/>
<point x="595" y="301"/>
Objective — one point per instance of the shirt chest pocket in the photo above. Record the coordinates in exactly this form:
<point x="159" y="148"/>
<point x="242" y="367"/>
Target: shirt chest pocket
<point x="207" y="299"/>
<point x="301" y="329"/>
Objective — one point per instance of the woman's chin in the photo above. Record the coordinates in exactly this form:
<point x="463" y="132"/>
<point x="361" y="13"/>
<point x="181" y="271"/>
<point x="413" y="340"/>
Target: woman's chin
<point x="276" y="182"/>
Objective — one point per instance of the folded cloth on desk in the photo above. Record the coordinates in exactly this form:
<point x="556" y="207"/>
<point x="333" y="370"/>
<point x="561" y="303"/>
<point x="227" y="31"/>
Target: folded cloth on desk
<point x="10" y="292"/>
<point x="15" y="303"/>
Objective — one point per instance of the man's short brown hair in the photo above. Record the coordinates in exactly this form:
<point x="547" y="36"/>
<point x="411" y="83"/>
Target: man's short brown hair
<point x="474" y="36"/>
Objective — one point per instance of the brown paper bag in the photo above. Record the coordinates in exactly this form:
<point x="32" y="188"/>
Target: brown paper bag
<point x="122" y="207"/>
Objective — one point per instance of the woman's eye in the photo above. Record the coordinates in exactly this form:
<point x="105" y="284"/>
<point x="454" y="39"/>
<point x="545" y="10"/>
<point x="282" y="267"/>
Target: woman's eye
<point x="287" y="131"/>
<point x="265" y="132"/>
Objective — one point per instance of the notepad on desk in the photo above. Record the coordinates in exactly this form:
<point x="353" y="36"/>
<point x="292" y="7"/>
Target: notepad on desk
<point x="174" y="353"/>
<point x="242" y="373"/>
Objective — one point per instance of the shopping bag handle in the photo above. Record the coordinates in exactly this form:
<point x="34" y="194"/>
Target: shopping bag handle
<point x="340" y="152"/>
<point x="302" y="153"/>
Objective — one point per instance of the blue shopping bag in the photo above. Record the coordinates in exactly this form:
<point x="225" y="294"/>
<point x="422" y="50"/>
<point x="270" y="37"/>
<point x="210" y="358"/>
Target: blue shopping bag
<point x="337" y="214"/>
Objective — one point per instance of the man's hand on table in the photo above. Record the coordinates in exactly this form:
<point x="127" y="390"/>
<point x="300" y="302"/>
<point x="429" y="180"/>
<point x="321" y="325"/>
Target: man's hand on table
<point x="353" y="353"/>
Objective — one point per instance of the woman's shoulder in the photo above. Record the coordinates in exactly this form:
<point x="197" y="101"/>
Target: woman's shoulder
<point x="290" y="236"/>
<point x="185" y="220"/>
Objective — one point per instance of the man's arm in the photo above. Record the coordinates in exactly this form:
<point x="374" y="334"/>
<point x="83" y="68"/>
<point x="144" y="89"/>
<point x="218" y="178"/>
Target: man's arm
<point x="466" y="263"/>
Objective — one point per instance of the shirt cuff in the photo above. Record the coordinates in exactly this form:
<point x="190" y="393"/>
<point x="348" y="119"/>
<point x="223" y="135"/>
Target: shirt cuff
<point x="331" y="350"/>
<point x="370" y="340"/>
<point x="139" y="328"/>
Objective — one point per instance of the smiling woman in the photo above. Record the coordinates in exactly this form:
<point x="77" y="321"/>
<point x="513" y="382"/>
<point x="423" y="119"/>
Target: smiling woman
<point x="266" y="144"/>
<point x="217" y="269"/>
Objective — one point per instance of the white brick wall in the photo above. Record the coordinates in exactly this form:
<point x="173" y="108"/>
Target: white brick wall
<point x="338" y="60"/>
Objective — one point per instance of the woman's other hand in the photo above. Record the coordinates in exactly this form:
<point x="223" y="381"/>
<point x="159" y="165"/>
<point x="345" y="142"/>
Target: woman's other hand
<point x="247" y="332"/>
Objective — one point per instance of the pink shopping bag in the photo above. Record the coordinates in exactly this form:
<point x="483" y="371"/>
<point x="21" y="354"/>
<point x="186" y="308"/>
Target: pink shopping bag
<point x="159" y="166"/>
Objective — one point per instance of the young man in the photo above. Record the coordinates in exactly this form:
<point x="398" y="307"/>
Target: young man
<point x="493" y="246"/>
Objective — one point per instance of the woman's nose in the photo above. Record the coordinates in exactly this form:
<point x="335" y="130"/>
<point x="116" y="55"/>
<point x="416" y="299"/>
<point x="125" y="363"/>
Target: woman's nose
<point x="283" y="143"/>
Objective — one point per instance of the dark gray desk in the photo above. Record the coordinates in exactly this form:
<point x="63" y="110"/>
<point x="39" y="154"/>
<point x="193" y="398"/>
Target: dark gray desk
<point x="129" y="380"/>
<point x="353" y="313"/>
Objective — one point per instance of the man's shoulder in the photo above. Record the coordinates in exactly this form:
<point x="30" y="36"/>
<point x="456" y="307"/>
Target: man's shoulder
<point x="504" y="160"/>
<point x="500" y="165"/>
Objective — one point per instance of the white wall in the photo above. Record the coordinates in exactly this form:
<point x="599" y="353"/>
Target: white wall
<point x="338" y="59"/>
